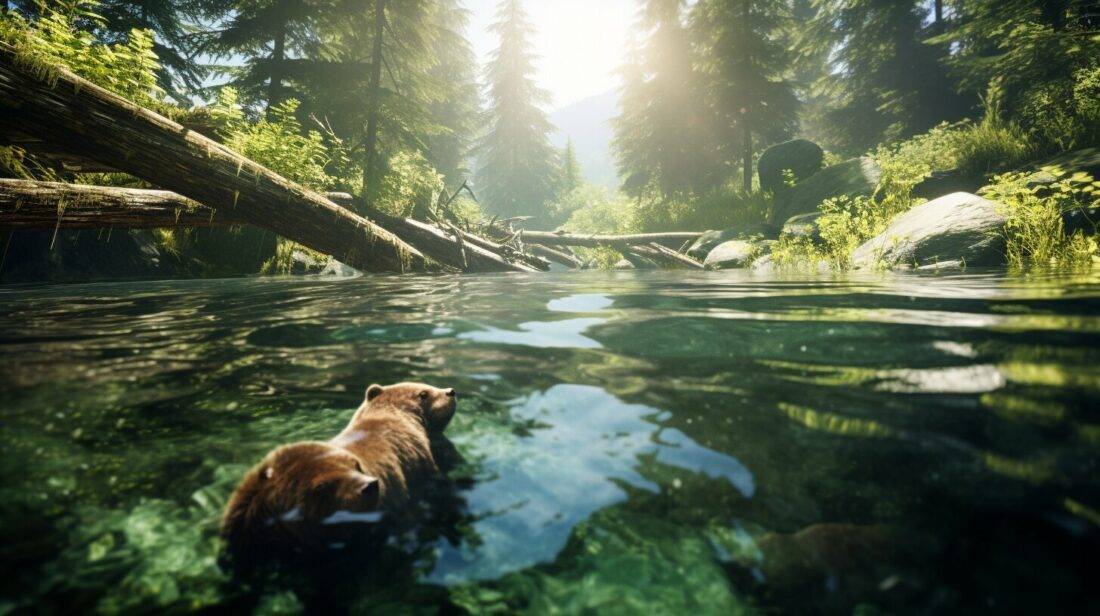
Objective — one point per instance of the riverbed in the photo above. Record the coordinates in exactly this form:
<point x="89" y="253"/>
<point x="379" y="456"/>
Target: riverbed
<point x="659" y="442"/>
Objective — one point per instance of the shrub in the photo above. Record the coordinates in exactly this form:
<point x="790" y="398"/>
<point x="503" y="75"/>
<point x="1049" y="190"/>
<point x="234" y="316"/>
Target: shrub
<point x="53" y="41"/>
<point x="602" y="213"/>
<point x="1035" y="232"/>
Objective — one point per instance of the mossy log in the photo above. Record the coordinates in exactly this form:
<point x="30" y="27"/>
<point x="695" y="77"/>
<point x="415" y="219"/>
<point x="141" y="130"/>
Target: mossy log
<point x="550" y="238"/>
<point x="26" y="204"/>
<point x="666" y="256"/>
<point x="77" y="116"/>
<point x="465" y="252"/>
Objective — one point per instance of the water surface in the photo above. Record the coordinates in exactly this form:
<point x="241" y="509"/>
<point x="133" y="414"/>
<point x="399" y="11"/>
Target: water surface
<point x="660" y="441"/>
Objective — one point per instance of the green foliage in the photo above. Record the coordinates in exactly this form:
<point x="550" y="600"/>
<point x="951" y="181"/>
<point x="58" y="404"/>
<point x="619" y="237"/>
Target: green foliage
<point x="279" y="143"/>
<point x="744" y="64"/>
<point x="662" y="136"/>
<point x="1064" y="114"/>
<point x="593" y="210"/>
<point x="518" y="170"/>
<point x="53" y="40"/>
<point x="884" y="82"/>
<point x="570" y="170"/>
<point x="409" y="187"/>
<point x="1035" y="231"/>
<point x="719" y="208"/>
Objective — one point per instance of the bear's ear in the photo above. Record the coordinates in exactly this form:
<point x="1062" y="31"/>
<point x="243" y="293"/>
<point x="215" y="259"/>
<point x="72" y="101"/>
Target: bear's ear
<point x="374" y="391"/>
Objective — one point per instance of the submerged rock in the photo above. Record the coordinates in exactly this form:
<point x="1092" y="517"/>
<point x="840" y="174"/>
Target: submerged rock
<point x="707" y="242"/>
<point x="733" y="254"/>
<point x="851" y="178"/>
<point x="801" y="157"/>
<point x="959" y="227"/>
<point x="623" y="264"/>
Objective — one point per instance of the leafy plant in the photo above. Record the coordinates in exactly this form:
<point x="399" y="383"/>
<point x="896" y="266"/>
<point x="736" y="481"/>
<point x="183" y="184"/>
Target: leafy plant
<point x="1035" y="205"/>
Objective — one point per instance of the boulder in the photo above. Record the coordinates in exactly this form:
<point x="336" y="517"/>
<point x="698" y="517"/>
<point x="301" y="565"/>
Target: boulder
<point x="958" y="227"/>
<point x="803" y="158"/>
<point x="623" y="264"/>
<point x="733" y="254"/>
<point x="706" y="242"/>
<point x="337" y="269"/>
<point x="852" y="178"/>
<point x="940" y="183"/>
<point x="803" y="226"/>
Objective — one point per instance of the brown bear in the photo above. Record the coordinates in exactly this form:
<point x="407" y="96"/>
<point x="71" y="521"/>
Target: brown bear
<point x="297" y="495"/>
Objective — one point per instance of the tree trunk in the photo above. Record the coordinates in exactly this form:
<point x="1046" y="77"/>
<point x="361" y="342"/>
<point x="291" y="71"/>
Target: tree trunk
<point x="26" y="204"/>
<point x="369" y="181"/>
<point x="278" y="56"/>
<point x="557" y="256"/>
<point x="475" y="255"/>
<point x="746" y="130"/>
<point x="547" y="238"/>
<point x="939" y="15"/>
<point x="75" y="115"/>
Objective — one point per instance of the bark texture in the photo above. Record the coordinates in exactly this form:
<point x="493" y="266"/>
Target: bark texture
<point x="77" y="116"/>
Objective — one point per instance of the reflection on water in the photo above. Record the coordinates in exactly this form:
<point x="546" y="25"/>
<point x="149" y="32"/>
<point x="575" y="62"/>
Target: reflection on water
<point x="641" y="441"/>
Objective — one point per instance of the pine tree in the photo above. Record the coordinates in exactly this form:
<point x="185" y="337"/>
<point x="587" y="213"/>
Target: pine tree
<point x="745" y="66"/>
<point x="518" y="166"/>
<point x="570" y="169"/>
<point x="268" y="33"/>
<point x="886" y="81"/>
<point x="456" y="105"/>
<point x="662" y="141"/>
<point x="173" y="24"/>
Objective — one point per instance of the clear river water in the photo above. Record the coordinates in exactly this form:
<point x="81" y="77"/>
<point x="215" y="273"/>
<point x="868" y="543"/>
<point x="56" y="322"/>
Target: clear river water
<point x="631" y="442"/>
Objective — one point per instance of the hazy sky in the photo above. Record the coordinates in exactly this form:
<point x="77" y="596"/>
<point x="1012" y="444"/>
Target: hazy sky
<point x="581" y="42"/>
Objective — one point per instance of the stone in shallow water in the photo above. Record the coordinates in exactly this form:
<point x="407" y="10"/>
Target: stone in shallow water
<point x="732" y="255"/>
<point x="706" y="242"/>
<point x="959" y="227"/>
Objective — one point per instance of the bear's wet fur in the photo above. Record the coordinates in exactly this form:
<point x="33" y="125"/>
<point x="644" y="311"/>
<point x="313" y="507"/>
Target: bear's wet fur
<point x="308" y="496"/>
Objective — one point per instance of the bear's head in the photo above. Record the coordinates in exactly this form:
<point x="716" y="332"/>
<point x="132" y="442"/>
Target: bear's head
<point x="433" y="406"/>
<point x="294" y="491"/>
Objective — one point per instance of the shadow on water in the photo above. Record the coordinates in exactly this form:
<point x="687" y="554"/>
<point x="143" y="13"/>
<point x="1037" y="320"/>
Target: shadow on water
<point x="642" y="441"/>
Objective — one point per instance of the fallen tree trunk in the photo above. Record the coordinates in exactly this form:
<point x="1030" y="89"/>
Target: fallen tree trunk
<point x="558" y="256"/>
<point x="547" y="238"/>
<point x="668" y="256"/>
<point x="77" y="116"/>
<point x="26" y="204"/>
<point x="471" y="256"/>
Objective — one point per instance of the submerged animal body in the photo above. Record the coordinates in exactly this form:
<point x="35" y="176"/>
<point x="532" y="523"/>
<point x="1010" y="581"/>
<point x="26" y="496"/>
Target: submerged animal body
<point x="299" y="495"/>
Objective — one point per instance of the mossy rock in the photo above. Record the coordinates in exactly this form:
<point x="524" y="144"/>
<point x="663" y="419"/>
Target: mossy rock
<point x="960" y="227"/>
<point x="803" y="158"/>
<point x="736" y="254"/>
<point x="707" y="242"/>
<point x="803" y="226"/>
<point x="851" y="178"/>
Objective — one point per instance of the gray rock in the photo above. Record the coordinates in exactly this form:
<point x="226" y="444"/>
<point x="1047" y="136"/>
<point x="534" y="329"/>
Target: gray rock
<point x="733" y="254"/>
<point x="940" y="183"/>
<point x="958" y="227"/>
<point x="706" y="242"/>
<point x="623" y="264"/>
<point x="803" y="158"/>
<point x="803" y="225"/>
<point x="337" y="269"/>
<point x="851" y="178"/>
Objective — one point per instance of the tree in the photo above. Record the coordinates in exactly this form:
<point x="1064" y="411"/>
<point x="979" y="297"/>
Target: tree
<point x="885" y="81"/>
<point x="518" y="165"/>
<point x="570" y="169"/>
<point x="661" y="138"/>
<point x="745" y="64"/>
<point x="267" y="33"/>
<point x="173" y="25"/>
<point x="455" y="105"/>
<point x="1020" y="44"/>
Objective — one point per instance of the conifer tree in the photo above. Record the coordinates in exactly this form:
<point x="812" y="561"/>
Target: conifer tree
<point x="173" y="26"/>
<point x="517" y="167"/>
<point x="886" y="81"/>
<point x="455" y="106"/>
<point x="267" y="33"/>
<point x="746" y="66"/>
<point x="661" y="137"/>
<point x="570" y="169"/>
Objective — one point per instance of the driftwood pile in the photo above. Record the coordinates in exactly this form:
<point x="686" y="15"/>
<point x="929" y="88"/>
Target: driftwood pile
<point x="206" y="184"/>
